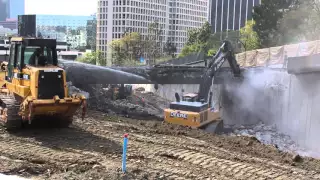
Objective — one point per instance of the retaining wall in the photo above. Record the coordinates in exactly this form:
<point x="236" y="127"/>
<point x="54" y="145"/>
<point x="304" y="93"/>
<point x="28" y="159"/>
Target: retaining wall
<point x="289" y="102"/>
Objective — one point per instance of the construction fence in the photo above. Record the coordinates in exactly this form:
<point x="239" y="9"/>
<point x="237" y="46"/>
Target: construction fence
<point x="277" y="55"/>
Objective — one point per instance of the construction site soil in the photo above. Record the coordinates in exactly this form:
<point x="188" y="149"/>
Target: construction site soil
<point x="92" y="149"/>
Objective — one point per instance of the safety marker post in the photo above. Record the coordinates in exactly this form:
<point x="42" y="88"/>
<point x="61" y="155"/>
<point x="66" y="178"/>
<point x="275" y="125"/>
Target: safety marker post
<point x="124" y="152"/>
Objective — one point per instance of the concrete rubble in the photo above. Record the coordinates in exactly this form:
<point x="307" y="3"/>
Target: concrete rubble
<point x="140" y="104"/>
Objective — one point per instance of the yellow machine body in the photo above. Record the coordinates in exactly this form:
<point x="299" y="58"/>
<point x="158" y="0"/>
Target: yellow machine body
<point x="191" y="119"/>
<point x="192" y="114"/>
<point x="39" y="89"/>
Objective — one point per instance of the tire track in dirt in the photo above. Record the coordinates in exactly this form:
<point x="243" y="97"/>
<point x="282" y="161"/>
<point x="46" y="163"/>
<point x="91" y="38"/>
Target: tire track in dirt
<point x="169" y="156"/>
<point x="193" y="144"/>
<point x="210" y="160"/>
<point x="232" y="169"/>
<point x="36" y="152"/>
<point x="203" y="147"/>
<point x="42" y="154"/>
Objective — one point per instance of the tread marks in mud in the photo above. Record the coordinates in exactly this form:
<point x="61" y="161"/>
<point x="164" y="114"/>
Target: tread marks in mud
<point x="187" y="153"/>
<point x="27" y="151"/>
<point x="229" y="168"/>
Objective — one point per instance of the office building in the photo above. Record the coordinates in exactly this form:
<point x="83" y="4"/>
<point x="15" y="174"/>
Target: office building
<point x="72" y="22"/>
<point x="72" y="29"/>
<point x="10" y="24"/>
<point x="4" y="10"/>
<point x="175" y="17"/>
<point x="91" y="34"/>
<point x="16" y="7"/>
<point x="11" y="9"/>
<point x="231" y="14"/>
<point x="183" y="16"/>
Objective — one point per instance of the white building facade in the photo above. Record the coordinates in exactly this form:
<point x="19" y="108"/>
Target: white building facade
<point x="175" y="17"/>
<point x="186" y="15"/>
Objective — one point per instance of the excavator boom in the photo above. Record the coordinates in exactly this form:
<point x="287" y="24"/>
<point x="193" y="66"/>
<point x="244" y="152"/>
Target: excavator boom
<point x="225" y="52"/>
<point x="195" y="109"/>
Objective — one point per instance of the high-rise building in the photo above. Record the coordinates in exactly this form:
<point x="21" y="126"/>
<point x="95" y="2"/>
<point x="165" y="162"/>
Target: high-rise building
<point x="184" y="16"/>
<point x="231" y="14"/>
<point x="10" y="9"/>
<point x="91" y="34"/>
<point x="115" y="17"/>
<point x="16" y="7"/>
<point x="72" y="29"/>
<point x="4" y="10"/>
<point x="175" y="17"/>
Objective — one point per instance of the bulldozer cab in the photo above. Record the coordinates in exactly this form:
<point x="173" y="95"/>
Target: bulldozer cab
<point x="30" y="52"/>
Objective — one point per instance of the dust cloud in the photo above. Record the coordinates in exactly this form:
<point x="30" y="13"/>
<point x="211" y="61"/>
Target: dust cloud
<point x="251" y="101"/>
<point x="275" y="107"/>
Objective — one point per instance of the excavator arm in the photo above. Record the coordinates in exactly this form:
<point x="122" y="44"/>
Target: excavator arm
<point x="225" y="52"/>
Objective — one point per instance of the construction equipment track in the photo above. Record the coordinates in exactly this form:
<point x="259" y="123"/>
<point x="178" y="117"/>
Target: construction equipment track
<point x="9" y="117"/>
<point x="96" y="143"/>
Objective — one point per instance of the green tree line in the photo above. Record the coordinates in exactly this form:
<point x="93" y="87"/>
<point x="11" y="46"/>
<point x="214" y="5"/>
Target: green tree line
<point x="132" y="46"/>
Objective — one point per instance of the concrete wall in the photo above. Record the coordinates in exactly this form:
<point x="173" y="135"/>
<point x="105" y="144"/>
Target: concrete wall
<point x="288" y="102"/>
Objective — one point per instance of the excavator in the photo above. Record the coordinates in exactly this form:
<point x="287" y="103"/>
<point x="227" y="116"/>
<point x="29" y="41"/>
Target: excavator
<point x="33" y="86"/>
<point x="196" y="110"/>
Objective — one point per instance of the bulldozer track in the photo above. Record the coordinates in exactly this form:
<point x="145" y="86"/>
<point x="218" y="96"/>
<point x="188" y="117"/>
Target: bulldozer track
<point x="13" y="119"/>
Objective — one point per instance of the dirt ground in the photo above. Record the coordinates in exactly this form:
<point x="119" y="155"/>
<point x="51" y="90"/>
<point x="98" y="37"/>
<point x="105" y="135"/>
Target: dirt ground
<point x="92" y="149"/>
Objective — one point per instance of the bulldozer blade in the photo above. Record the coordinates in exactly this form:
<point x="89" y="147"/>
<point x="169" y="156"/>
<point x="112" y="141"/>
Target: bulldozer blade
<point x="303" y="64"/>
<point x="215" y="127"/>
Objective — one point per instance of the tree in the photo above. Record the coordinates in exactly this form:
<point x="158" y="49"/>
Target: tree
<point x="118" y="53"/>
<point x="198" y="40"/>
<point x="170" y="49"/>
<point x="154" y="41"/>
<point x="95" y="57"/>
<point x="133" y="45"/>
<point x="301" y="23"/>
<point x="267" y="17"/>
<point x="249" y="37"/>
<point x="128" y="49"/>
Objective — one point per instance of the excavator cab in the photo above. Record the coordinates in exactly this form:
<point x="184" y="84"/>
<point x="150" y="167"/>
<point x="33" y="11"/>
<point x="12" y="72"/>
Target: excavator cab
<point x="190" y="97"/>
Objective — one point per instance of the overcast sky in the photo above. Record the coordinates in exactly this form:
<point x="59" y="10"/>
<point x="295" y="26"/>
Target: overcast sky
<point x="63" y="7"/>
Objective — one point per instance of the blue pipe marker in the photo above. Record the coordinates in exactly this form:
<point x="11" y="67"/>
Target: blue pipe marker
<point x="124" y="152"/>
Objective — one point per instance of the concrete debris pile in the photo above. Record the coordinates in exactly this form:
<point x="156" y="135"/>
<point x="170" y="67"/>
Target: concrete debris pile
<point x="74" y="90"/>
<point x="269" y="135"/>
<point x="140" y="104"/>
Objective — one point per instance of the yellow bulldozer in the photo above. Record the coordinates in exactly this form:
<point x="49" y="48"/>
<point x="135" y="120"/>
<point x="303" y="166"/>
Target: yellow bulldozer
<point x="196" y="109"/>
<point x="33" y="86"/>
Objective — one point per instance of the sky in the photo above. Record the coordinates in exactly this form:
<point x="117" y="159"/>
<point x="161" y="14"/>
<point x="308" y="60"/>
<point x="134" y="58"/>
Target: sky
<point x="61" y="7"/>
